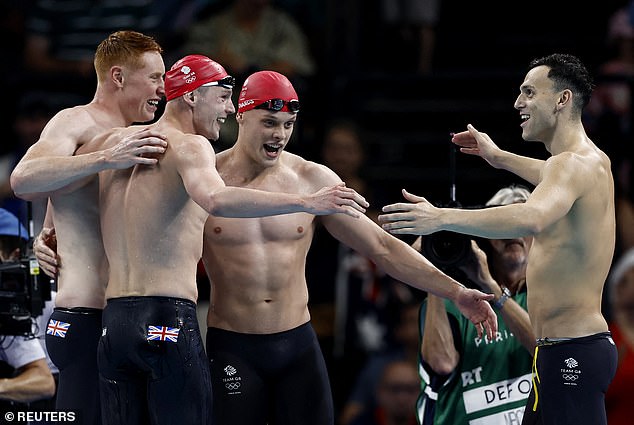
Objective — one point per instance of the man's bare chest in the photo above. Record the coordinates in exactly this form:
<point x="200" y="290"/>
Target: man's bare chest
<point x="281" y="228"/>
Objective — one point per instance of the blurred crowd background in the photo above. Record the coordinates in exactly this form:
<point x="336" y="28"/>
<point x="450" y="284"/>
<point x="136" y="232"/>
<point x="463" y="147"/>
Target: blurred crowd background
<point x="382" y="84"/>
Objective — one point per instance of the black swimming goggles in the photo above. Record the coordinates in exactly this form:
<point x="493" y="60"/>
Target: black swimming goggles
<point x="228" y="82"/>
<point x="278" y="104"/>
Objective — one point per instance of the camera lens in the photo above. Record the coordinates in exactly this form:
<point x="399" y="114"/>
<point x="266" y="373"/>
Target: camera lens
<point x="446" y="248"/>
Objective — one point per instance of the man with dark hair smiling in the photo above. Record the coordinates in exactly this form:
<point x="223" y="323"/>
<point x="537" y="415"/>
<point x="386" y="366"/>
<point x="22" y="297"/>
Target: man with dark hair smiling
<point x="570" y="214"/>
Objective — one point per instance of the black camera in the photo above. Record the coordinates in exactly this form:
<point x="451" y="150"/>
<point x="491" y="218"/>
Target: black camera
<point x="446" y="249"/>
<point x="23" y="292"/>
<point x="449" y="250"/>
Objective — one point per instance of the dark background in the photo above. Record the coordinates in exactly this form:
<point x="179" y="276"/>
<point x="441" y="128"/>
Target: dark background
<point x="481" y="56"/>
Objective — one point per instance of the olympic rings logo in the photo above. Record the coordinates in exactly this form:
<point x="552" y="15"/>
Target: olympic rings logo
<point x="570" y="377"/>
<point x="232" y="386"/>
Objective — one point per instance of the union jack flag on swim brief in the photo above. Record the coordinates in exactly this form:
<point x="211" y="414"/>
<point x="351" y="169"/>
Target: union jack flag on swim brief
<point x="162" y="333"/>
<point x="57" y="328"/>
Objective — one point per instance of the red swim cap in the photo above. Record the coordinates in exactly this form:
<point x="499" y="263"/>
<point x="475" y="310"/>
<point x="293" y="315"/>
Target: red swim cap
<point x="193" y="71"/>
<point x="263" y="86"/>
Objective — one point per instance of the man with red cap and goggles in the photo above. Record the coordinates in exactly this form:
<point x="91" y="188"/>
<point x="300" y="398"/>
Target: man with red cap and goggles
<point x="152" y="362"/>
<point x="266" y="363"/>
<point x="268" y="90"/>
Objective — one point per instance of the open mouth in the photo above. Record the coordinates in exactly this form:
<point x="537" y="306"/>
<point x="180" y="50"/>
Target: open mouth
<point x="524" y="117"/>
<point x="153" y="103"/>
<point x="273" y="149"/>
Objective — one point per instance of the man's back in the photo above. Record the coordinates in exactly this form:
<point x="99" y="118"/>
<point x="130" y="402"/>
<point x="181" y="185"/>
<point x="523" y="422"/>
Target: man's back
<point x="151" y="343"/>
<point x="152" y="228"/>
<point x="570" y="259"/>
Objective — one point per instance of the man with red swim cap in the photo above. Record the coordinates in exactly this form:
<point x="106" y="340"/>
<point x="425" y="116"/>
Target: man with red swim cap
<point x="268" y="86"/>
<point x="266" y="363"/>
<point x="152" y="364"/>
<point x="194" y="71"/>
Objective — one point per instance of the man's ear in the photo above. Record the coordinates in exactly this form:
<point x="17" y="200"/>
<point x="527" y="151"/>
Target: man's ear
<point x="190" y="98"/>
<point x="239" y="117"/>
<point x="565" y="98"/>
<point x="116" y="75"/>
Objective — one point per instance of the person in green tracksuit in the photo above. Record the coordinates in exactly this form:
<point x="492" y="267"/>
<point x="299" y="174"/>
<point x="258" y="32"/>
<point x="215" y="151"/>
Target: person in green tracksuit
<point x="472" y="380"/>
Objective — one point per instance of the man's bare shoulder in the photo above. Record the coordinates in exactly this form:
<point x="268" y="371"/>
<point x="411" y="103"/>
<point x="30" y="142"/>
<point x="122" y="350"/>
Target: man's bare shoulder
<point x="85" y="117"/>
<point x="585" y="173"/>
<point x="186" y="151"/>
<point x="76" y="125"/>
<point x="184" y="143"/>
<point x="589" y="160"/>
<point x="310" y="170"/>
